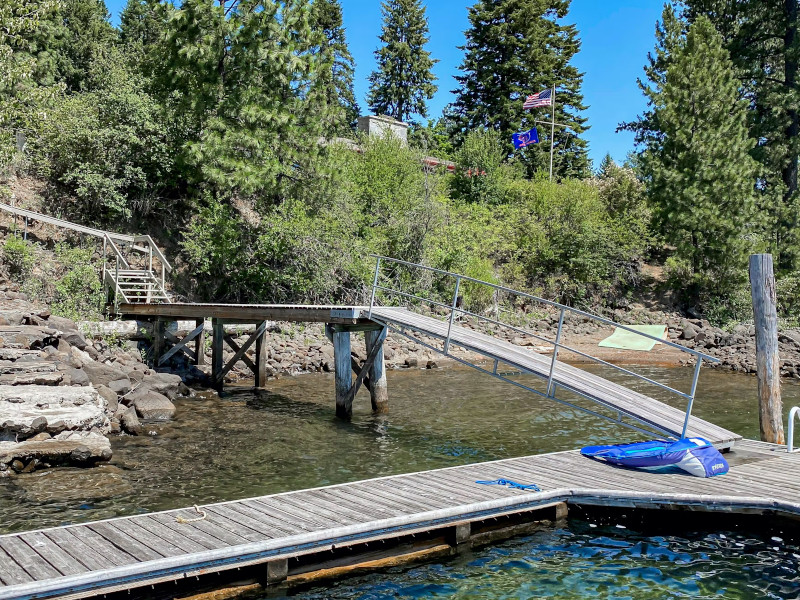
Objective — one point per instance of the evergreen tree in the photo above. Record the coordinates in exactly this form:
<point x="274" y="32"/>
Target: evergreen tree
<point x="84" y="33"/>
<point x="763" y="41"/>
<point x="142" y="23"/>
<point x="240" y="84"/>
<point x="695" y="160"/>
<point x="515" y="48"/>
<point x="404" y="80"/>
<point x="19" y="20"/>
<point x="337" y="74"/>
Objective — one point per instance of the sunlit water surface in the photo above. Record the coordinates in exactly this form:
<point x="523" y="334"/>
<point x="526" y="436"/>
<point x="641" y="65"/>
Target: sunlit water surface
<point x="254" y="443"/>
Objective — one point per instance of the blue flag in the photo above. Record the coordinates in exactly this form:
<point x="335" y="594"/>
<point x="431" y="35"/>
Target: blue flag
<point x="526" y="138"/>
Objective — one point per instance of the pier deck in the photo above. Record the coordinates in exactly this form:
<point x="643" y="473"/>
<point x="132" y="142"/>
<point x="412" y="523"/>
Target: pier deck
<point x="127" y="553"/>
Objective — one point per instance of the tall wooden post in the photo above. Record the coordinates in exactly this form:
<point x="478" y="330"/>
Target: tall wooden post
<point x="343" y="374"/>
<point x="378" y="390"/>
<point x="217" y="344"/>
<point x="200" y="344"/>
<point x="768" y="363"/>
<point x="159" y="340"/>
<point x="261" y="358"/>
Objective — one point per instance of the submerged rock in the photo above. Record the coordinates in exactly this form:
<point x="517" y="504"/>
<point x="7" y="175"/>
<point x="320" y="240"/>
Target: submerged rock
<point x="81" y="448"/>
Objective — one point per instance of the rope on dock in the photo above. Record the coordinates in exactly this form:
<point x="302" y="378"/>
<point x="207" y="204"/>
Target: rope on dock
<point x="202" y="516"/>
<point x="512" y="484"/>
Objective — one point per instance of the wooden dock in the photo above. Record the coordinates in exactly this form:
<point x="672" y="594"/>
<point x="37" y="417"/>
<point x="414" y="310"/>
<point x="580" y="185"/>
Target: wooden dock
<point x="289" y="535"/>
<point x="341" y="321"/>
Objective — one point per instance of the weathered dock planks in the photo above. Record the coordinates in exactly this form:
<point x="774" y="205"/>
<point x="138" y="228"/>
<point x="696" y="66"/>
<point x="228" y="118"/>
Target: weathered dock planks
<point x="616" y="397"/>
<point x="127" y="553"/>
<point x="247" y="313"/>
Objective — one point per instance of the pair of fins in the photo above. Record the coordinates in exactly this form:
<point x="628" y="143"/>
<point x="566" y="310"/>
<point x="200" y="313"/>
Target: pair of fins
<point x="696" y="456"/>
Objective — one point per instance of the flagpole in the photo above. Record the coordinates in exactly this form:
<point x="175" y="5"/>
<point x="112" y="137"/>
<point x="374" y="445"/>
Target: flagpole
<point x="552" y="129"/>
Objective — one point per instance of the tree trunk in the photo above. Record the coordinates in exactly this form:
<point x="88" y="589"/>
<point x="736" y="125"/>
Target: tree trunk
<point x="790" y="167"/>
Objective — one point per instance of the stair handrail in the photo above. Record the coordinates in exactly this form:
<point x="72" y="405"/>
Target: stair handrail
<point x="557" y="344"/>
<point x="155" y="249"/>
<point x="120" y="237"/>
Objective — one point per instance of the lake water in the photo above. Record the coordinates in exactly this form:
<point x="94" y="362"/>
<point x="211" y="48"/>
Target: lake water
<point x="253" y="443"/>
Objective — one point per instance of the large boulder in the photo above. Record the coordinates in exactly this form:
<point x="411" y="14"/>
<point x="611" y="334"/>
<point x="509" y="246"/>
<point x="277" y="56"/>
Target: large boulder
<point x="28" y="337"/>
<point x="100" y="374"/>
<point x="164" y="383"/>
<point x="130" y="421"/>
<point x="23" y="407"/>
<point x="150" y="405"/>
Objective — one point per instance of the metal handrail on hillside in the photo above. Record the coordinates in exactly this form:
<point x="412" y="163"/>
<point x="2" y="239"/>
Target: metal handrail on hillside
<point x="557" y="344"/>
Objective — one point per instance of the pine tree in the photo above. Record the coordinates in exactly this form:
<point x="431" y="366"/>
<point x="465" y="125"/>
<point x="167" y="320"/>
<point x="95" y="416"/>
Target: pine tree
<point x="515" y="48"/>
<point x="696" y="158"/>
<point x="85" y="34"/>
<point x="404" y="80"/>
<point x="142" y="23"/>
<point x="240" y="82"/>
<point x="763" y="41"/>
<point x="19" y="21"/>
<point x="337" y="75"/>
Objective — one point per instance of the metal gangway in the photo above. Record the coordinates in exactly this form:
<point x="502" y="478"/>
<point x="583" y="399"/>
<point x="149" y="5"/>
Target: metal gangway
<point x="122" y="282"/>
<point x="553" y="377"/>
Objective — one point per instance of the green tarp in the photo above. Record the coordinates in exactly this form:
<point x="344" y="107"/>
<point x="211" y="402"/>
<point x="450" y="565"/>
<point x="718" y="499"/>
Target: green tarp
<point x="628" y="340"/>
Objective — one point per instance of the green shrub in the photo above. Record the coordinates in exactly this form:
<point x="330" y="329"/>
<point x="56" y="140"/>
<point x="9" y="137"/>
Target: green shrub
<point x="788" y="292"/>
<point x="19" y="258"/>
<point x="78" y="291"/>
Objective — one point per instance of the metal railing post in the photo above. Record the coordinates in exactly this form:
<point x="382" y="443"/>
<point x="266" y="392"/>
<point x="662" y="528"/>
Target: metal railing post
<point x="374" y="287"/>
<point x="116" y="280"/>
<point x="555" y="351"/>
<point x="790" y="429"/>
<point x="452" y="314"/>
<point x="691" y="396"/>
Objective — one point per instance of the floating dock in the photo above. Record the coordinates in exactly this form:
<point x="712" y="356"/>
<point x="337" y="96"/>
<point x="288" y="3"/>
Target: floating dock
<point x="289" y="536"/>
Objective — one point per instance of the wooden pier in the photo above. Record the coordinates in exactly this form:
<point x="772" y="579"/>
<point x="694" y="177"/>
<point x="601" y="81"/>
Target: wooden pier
<point x="288" y="536"/>
<point x="618" y="402"/>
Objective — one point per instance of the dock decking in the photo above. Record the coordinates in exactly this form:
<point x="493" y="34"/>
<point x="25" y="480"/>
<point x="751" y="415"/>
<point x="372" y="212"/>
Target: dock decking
<point x="102" y="557"/>
<point x="644" y="409"/>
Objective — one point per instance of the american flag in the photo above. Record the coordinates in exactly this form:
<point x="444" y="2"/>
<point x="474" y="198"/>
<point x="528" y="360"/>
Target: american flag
<point x="541" y="99"/>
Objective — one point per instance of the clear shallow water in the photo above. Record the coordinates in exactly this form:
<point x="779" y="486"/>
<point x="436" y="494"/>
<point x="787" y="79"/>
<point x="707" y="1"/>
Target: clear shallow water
<point x="586" y="562"/>
<point x="253" y="443"/>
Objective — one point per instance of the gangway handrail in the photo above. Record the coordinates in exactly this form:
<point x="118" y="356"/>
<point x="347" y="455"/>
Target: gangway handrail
<point x="552" y="303"/>
<point x="557" y="344"/>
<point x="790" y="429"/>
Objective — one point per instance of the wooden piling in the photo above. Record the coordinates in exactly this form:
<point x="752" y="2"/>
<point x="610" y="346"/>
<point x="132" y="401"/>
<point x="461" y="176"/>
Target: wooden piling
<point x="217" y="345"/>
<point x="378" y="390"/>
<point x="768" y="363"/>
<point x="200" y="344"/>
<point x="159" y="340"/>
<point x="343" y="374"/>
<point x="261" y="358"/>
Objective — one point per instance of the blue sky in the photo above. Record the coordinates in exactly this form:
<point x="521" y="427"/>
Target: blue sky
<point x="616" y="36"/>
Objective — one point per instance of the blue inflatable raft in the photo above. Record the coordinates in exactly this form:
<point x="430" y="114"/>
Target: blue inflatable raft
<point x="694" y="455"/>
